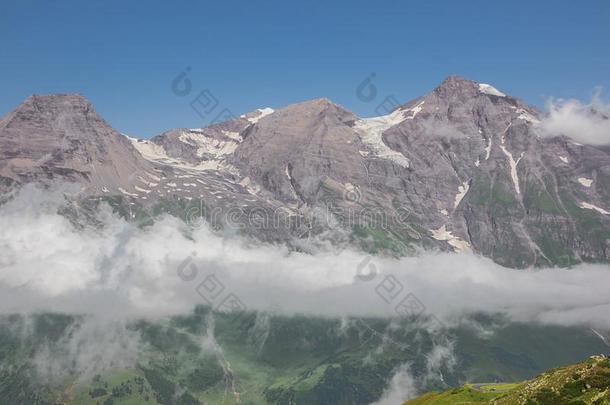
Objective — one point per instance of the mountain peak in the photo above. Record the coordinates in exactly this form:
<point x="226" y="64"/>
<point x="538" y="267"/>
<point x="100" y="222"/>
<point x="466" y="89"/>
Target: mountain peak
<point x="57" y="101"/>
<point x="62" y="135"/>
<point x="321" y="102"/>
<point x="453" y="84"/>
<point x="73" y="97"/>
<point x="457" y="85"/>
<point x="456" y="80"/>
<point x="315" y="105"/>
<point x="48" y="106"/>
<point x="45" y="107"/>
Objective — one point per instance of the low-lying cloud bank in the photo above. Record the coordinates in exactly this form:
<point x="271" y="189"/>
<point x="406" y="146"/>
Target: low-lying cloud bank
<point x="585" y="123"/>
<point x="46" y="263"/>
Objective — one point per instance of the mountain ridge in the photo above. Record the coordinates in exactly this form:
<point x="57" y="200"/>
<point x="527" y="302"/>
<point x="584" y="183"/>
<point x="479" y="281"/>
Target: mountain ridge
<point x="465" y="164"/>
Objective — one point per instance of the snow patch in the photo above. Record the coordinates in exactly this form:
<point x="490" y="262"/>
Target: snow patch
<point x="488" y="149"/>
<point x="152" y="176"/>
<point x="462" y="190"/>
<point x="263" y="112"/>
<point x="208" y="146"/>
<point x="371" y="133"/>
<point x="513" y="165"/>
<point x="233" y="135"/>
<point x="489" y="89"/>
<point x="593" y="207"/>
<point x="415" y="110"/>
<point x="585" y="181"/>
<point x="250" y="186"/>
<point x="149" y="150"/>
<point x="526" y="116"/>
<point x="216" y="149"/>
<point x="458" y="244"/>
<point x="290" y="180"/>
<point x="143" y="190"/>
<point x="122" y="190"/>
<point x="148" y="183"/>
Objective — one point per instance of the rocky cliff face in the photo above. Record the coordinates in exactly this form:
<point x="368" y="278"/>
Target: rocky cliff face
<point x="480" y="170"/>
<point x="61" y="136"/>
<point x="461" y="168"/>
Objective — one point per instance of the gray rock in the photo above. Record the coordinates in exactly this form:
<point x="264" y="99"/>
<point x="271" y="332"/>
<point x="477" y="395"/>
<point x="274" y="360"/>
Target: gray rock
<point x="61" y="136"/>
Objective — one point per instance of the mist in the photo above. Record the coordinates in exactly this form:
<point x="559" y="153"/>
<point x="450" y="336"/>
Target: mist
<point x="118" y="270"/>
<point x="587" y="123"/>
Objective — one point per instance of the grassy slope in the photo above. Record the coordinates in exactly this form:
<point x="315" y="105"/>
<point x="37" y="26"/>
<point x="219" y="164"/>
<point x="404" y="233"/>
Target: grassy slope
<point x="578" y="384"/>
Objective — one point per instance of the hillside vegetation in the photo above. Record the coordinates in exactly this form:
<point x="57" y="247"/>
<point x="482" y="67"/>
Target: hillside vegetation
<point x="578" y="384"/>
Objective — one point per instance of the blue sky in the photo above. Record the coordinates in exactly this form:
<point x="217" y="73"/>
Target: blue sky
<point x="123" y="55"/>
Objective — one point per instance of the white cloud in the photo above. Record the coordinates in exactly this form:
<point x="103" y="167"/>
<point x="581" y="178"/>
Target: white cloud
<point x="87" y="348"/>
<point x="584" y="123"/>
<point x="49" y="264"/>
<point x="402" y="387"/>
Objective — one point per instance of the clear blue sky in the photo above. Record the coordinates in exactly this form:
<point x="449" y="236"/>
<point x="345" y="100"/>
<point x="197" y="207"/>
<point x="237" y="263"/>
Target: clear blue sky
<point x="123" y="55"/>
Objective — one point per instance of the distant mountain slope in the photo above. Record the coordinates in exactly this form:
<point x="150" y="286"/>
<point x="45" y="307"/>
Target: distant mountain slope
<point x="463" y="168"/>
<point x="583" y="383"/>
<point x="207" y="357"/>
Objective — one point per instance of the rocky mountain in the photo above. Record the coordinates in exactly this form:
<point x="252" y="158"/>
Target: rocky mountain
<point x="462" y="168"/>
<point x="61" y="136"/>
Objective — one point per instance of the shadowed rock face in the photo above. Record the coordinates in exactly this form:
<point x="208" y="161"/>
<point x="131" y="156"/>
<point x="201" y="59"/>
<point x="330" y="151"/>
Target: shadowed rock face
<point x="461" y="168"/>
